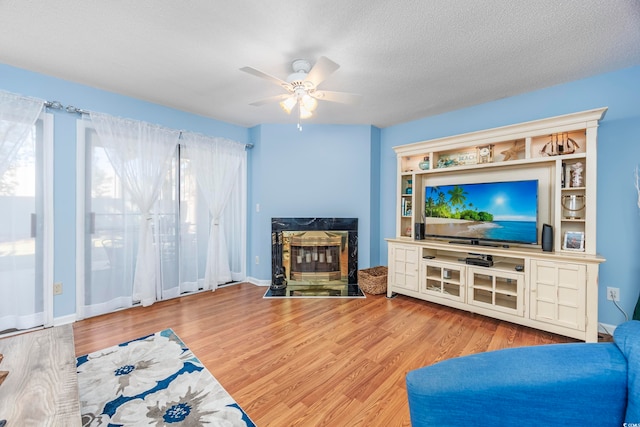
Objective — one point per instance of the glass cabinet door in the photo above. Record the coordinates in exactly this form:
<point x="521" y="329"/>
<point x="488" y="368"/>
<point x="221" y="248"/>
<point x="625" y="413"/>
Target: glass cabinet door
<point x="443" y="280"/>
<point x="497" y="290"/>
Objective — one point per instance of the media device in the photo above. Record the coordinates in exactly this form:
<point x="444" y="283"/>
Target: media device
<point x="419" y="231"/>
<point x="483" y="213"/>
<point x="479" y="261"/>
<point x="547" y="238"/>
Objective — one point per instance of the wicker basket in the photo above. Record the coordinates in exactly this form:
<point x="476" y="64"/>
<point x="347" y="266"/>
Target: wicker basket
<point x="373" y="280"/>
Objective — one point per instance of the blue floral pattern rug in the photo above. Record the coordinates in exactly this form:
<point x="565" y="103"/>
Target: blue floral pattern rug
<point x="153" y="381"/>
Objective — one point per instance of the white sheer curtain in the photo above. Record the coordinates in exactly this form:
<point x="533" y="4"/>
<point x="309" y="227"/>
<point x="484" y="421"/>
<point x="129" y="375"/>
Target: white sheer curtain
<point x="22" y="214"/>
<point x="234" y="221"/>
<point x="141" y="155"/>
<point x="219" y="165"/>
<point x="18" y="114"/>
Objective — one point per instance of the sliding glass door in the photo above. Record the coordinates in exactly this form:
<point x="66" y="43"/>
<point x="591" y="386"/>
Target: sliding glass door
<point x="26" y="272"/>
<point x="109" y="237"/>
<point x="109" y="244"/>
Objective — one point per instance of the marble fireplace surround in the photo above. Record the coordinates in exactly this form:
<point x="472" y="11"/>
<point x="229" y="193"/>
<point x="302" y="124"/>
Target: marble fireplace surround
<point x="349" y="225"/>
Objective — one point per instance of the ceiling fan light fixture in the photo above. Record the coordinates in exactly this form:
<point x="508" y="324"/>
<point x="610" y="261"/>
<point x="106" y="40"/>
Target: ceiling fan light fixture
<point x="309" y="102"/>
<point x="304" y="113"/>
<point x="301" y="87"/>
<point x="288" y="104"/>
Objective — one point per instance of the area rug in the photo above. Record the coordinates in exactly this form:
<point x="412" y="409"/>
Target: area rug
<point x="153" y="381"/>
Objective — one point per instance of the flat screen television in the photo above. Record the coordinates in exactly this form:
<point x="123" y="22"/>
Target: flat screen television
<point x="481" y="213"/>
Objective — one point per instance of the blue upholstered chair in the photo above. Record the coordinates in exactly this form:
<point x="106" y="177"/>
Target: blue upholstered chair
<point x="581" y="384"/>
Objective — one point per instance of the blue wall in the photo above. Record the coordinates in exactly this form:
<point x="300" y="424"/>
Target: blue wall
<point x="618" y="216"/>
<point x="323" y="171"/>
<point x="350" y="170"/>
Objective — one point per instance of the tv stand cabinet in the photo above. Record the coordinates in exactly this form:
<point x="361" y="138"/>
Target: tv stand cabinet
<point x="544" y="290"/>
<point x="555" y="291"/>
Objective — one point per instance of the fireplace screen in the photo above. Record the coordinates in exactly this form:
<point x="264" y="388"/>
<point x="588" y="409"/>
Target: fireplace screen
<point x="315" y="256"/>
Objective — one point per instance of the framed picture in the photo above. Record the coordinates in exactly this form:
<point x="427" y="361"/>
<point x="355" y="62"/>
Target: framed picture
<point x="573" y="241"/>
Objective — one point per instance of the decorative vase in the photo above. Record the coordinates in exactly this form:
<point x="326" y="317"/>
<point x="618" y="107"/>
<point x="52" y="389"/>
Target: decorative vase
<point x="573" y="205"/>
<point x="576" y="175"/>
<point x="424" y="164"/>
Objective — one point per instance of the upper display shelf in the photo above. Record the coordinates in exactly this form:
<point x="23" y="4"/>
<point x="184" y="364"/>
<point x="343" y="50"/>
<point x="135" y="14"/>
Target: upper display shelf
<point x="540" y="140"/>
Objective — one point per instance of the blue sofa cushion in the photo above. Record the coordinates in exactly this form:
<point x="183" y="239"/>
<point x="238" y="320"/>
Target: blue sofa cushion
<point x="549" y="385"/>
<point x="627" y="338"/>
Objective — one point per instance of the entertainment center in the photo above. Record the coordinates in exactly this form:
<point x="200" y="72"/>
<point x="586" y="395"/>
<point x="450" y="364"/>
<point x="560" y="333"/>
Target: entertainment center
<point x="470" y="214"/>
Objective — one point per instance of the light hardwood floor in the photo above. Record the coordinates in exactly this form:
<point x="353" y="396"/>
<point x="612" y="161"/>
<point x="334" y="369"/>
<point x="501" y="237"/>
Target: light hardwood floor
<point x="41" y="388"/>
<point x="312" y="362"/>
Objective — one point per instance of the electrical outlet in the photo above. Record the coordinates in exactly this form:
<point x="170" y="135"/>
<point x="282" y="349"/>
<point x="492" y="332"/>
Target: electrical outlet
<point x="257" y="259"/>
<point x="613" y="294"/>
<point x="57" y="288"/>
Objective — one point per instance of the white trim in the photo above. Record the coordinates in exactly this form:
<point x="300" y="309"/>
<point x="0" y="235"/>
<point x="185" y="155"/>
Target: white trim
<point x="258" y="282"/>
<point x="48" y="226"/>
<point x="245" y="197"/>
<point x="81" y="127"/>
<point x="64" y="320"/>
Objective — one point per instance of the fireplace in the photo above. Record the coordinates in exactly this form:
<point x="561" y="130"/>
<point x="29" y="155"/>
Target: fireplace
<point x="314" y="256"/>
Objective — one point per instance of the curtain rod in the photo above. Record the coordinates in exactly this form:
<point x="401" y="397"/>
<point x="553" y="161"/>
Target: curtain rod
<point x="56" y="105"/>
<point x="69" y="108"/>
<point x="247" y="145"/>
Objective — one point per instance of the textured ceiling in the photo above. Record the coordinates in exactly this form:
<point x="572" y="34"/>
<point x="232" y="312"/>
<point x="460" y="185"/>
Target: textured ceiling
<point x="408" y="59"/>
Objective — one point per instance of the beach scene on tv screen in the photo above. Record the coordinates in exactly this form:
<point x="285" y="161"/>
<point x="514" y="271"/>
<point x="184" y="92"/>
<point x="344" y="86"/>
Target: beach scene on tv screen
<point x="504" y="211"/>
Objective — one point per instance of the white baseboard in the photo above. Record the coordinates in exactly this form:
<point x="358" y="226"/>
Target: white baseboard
<point x="64" y="320"/>
<point x="258" y="282"/>
<point x="606" y="328"/>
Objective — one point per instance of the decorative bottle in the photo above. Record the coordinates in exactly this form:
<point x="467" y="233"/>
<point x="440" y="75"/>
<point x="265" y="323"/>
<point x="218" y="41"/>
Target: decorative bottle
<point x="424" y="164"/>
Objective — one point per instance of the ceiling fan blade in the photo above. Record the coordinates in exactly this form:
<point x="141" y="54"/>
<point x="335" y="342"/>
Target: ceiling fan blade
<point x="271" y="99"/>
<point x="341" y="97"/>
<point x="266" y="76"/>
<point x="323" y="68"/>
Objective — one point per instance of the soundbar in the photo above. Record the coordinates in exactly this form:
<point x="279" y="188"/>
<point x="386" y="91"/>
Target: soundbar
<point x="479" y="261"/>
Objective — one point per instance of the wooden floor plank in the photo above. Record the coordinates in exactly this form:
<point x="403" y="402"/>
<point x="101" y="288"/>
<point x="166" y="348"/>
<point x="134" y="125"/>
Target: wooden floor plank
<point x="312" y="362"/>
<point x="41" y="388"/>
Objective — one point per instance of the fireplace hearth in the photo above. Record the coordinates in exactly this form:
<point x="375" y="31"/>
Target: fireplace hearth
<point x="314" y="257"/>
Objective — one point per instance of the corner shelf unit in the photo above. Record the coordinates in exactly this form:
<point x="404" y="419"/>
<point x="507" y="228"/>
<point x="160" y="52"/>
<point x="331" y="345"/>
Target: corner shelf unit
<point x="554" y="291"/>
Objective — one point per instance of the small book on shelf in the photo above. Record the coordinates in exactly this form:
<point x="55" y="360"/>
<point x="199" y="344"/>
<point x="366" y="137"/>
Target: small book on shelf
<point x="406" y="211"/>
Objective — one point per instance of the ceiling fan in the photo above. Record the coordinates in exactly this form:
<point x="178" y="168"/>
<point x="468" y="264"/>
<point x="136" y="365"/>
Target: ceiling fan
<point x="302" y="87"/>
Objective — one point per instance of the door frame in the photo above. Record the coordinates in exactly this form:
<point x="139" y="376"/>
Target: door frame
<point x="48" y="223"/>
